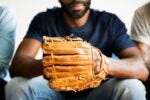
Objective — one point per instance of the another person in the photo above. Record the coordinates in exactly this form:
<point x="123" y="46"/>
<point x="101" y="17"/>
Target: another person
<point x="7" y="42"/>
<point x="140" y="33"/>
<point x="103" y="30"/>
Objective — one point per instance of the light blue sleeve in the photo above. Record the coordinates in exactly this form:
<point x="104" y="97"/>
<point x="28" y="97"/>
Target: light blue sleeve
<point x="7" y="37"/>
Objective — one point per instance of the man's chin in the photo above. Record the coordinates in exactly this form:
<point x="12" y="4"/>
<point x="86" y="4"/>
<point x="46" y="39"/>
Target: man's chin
<point x="76" y="16"/>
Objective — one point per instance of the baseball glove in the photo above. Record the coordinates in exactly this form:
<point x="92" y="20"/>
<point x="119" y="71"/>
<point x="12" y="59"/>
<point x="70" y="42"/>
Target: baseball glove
<point x="70" y="64"/>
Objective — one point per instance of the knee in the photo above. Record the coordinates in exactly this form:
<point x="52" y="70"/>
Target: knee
<point x="20" y="88"/>
<point x="15" y="83"/>
<point x="14" y="89"/>
<point x="20" y="84"/>
<point x="131" y="87"/>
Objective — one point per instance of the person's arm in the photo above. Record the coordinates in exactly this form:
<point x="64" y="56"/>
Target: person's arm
<point x="7" y="37"/>
<point x="140" y="33"/>
<point x="145" y="52"/>
<point x="130" y="65"/>
<point x="24" y="63"/>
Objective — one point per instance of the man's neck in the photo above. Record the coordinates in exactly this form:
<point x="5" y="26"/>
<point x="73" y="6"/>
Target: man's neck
<point x="76" y="22"/>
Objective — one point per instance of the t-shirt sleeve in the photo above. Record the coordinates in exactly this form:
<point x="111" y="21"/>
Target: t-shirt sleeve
<point x="35" y="28"/>
<point x="140" y="28"/>
<point x="120" y="37"/>
<point x="8" y="21"/>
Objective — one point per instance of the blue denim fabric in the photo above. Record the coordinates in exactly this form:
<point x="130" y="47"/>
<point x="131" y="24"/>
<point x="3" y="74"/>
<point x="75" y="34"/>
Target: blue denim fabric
<point x="7" y="38"/>
<point x="20" y="88"/>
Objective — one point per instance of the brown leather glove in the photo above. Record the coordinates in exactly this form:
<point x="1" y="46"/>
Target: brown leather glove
<point x="71" y="64"/>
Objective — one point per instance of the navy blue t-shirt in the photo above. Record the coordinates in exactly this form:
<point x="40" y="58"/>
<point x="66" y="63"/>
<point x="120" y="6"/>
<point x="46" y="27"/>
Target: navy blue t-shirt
<point x="103" y="30"/>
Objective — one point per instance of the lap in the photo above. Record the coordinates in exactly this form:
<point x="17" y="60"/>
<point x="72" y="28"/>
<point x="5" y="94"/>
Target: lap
<point x="38" y="88"/>
<point x="20" y="88"/>
<point x="119" y="89"/>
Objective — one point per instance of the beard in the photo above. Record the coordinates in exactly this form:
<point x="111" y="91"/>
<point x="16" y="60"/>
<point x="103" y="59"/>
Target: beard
<point x="75" y="14"/>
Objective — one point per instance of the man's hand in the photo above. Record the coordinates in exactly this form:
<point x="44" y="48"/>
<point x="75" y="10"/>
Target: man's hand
<point x="145" y="51"/>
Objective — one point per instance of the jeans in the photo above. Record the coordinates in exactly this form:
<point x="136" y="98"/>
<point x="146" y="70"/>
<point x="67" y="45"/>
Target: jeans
<point x="37" y="89"/>
<point x="7" y="38"/>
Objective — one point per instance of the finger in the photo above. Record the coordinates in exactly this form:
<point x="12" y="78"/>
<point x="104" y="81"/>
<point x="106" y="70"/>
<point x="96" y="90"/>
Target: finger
<point x="67" y="60"/>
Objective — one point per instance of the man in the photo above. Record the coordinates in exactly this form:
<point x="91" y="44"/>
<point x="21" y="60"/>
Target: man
<point x="141" y="35"/>
<point x="7" y="40"/>
<point x="103" y="30"/>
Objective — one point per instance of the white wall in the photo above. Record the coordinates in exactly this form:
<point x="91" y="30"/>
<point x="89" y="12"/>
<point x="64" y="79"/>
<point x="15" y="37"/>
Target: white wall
<point x="26" y="9"/>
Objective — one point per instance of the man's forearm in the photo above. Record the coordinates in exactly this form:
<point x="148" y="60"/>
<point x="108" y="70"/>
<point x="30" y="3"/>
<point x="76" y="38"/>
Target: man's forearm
<point x="128" y="68"/>
<point x="26" y="67"/>
<point x="145" y="52"/>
